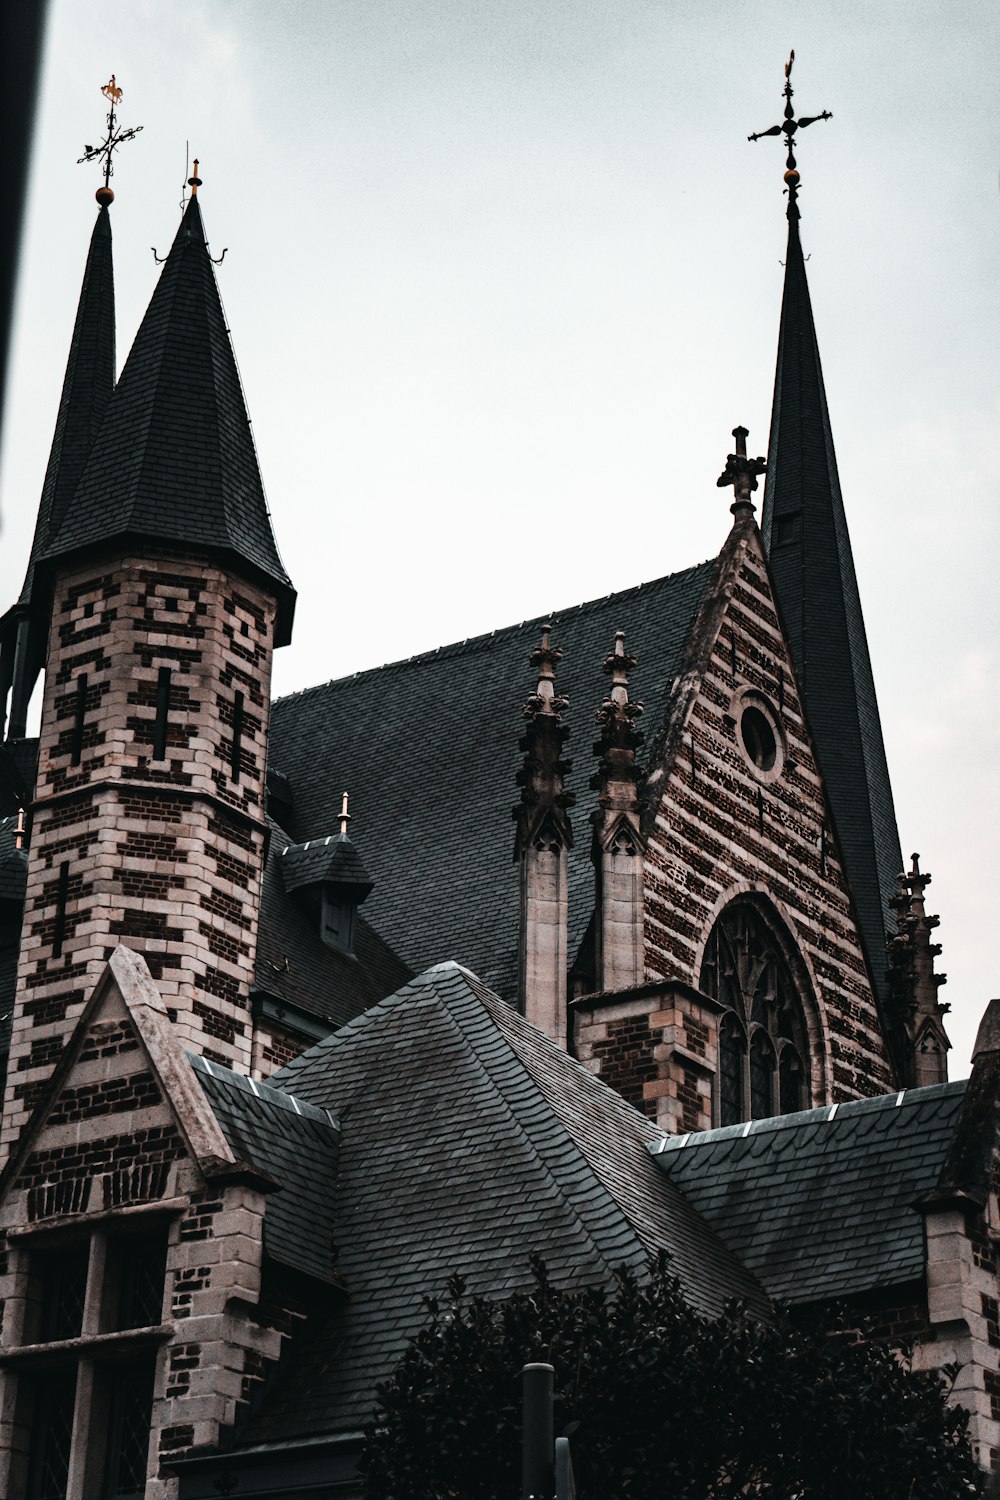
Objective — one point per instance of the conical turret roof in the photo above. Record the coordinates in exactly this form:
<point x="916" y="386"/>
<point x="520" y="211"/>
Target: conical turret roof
<point x="87" y="388"/>
<point x="805" y="533"/>
<point x="176" y="464"/>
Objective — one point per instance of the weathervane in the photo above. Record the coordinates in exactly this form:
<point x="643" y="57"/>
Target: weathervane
<point x="112" y="141"/>
<point x="788" y="129"/>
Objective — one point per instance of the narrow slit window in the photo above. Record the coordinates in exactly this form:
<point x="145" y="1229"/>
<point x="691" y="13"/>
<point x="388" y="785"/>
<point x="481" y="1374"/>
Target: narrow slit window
<point x="79" y="714"/>
<point x="62" y="892"/>
<point x="162" y="711"/>
<point x="237" y="755"/>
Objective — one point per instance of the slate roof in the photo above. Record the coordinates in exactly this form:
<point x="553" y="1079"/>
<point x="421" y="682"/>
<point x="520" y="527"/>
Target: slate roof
<point x="294" y="966"/>
<point x="176" y="463"/>
<point x="817" y="591"/>
<point x="87" y="387"/>
<point x="333" y="860"/>
<point x="296" y="1144"/>
<point x="428" y="749"/>
<point x="468" y="1141"/>
<point x="819" y="1205"/>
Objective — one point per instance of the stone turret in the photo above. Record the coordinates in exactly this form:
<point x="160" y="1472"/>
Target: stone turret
<point x="618" y="841"/>
<point x="914" y="984"/>
<point x="167" y="599"/>
<point x="542" y="844"/>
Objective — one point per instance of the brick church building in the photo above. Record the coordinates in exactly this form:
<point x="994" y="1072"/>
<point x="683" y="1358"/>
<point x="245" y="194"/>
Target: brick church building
<point x="268" y="1082"/>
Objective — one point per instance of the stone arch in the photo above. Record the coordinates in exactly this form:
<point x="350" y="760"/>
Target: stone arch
<point x="771" y="1030"/>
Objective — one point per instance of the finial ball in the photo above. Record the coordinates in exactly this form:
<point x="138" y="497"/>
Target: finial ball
<point x="105" y="196"/>
<point x="791" y="176"/>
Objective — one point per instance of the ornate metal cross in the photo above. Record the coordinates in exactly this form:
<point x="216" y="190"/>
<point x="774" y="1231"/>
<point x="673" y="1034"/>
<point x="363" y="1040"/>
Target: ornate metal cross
<point x="112" y="140"/>
<point x="788" y="129"/>
<point x="741" y="472"/>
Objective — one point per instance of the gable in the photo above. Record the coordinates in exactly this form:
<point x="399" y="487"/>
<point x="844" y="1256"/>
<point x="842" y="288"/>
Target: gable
<point x="722" y="823"/>
<point x="118" y="1116"/>
<point x="428" y="749"/>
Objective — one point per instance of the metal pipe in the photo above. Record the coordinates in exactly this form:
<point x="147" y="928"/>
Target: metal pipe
<point x="538" y="1446"/>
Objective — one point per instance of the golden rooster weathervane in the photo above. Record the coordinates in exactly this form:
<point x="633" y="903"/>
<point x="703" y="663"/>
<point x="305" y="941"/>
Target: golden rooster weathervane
<point x="114" y="138"/>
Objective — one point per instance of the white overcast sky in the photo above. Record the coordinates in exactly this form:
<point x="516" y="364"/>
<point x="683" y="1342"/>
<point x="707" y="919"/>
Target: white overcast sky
<point x="502" y="276"/>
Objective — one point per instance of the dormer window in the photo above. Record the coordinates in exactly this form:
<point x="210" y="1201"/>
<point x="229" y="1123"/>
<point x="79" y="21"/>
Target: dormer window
<point x="328" y="878"/>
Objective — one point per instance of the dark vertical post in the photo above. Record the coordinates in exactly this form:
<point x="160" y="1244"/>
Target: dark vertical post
<point x="237" y="755"/>
<point x="23" y="683"/>
<point x="79" y="716"/>
<point x="538" y="1468"/>
<point x="62" y="895"/>
<point x="162" y="711"/>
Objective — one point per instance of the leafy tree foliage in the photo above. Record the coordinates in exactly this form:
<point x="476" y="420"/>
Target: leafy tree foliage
<point x="661" y="1404"/>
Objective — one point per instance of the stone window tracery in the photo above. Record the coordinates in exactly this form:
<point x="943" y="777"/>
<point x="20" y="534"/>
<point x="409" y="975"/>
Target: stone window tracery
<point x="763" y="1048"/>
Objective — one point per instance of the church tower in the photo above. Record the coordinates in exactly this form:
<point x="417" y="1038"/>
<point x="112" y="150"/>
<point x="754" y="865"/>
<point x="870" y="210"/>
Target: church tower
<point x="805" y="533"/>
<point x="165" y="597"/>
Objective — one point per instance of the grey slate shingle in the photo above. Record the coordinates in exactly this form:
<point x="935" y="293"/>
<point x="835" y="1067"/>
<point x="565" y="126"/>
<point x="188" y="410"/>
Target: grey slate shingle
<point x="176" y="463"/>
<point x="295" y="967"/>
<point x="817" y="591"/>
<point x="333" y="860"/>
<point x="822" y="1208"/>
<point x="469" y="1141"/>
<point x="87" y="387"/>
<point x="296" y="1144"/>
<point x="428" y="749"/>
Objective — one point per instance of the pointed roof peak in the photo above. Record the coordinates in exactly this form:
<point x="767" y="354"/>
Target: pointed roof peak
<point x="87" y="387"/>
<point x="177" y="466"/>
<point x="805" y="534"/>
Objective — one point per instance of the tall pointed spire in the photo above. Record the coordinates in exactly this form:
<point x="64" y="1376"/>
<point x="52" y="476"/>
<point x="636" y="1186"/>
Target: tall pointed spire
<point x="87" y="388"/>
<point x="804" y="528"/>
<point x="176" y="466"/>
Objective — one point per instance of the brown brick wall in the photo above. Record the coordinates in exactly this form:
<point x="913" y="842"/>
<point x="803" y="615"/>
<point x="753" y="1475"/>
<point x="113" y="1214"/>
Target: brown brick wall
<point x="722" y="829"/>
<point x="161" y="854"/>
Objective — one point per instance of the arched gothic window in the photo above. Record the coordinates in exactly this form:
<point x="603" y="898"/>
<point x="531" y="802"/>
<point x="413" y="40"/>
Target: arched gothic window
<point x="763" y="1051"/>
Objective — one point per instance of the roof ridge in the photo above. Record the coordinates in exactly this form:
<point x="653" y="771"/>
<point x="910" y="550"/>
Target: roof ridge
<point x="263" y="1090"/>
<point x="822" y="1114"/>
<point x="492" y="1033"/>
<point x="473" y="642"/>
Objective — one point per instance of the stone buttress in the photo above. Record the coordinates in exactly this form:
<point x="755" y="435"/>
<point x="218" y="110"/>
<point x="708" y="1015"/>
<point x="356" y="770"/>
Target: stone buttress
<point x="618" y="842"/>
<point x="541" y="847"/>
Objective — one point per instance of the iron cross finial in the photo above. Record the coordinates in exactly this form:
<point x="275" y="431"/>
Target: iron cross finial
<point x="788" y="129"/>
<point x="114" y="138"/>
<point x="741" y="472"/>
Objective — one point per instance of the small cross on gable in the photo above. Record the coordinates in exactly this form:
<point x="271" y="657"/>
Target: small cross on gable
<point x="741" y="472"/>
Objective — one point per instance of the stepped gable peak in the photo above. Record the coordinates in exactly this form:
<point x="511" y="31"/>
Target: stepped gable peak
<point x="176" y="465"/>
